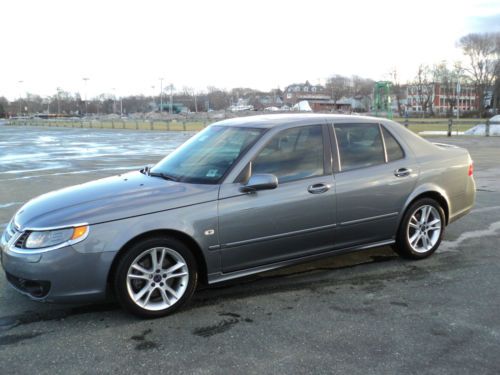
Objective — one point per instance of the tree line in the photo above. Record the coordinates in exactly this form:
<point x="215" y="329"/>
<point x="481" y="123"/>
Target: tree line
<point x="480" y="69"/>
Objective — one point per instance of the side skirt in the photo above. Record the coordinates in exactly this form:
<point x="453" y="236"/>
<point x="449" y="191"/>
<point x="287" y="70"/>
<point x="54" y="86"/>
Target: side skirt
<point x="220" y="277"/>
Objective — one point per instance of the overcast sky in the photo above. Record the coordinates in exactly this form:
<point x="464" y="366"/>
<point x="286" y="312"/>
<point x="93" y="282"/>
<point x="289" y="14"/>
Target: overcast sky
<point x="129" y="45"/>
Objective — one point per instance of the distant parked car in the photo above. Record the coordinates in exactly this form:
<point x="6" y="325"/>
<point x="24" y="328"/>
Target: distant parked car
<point x="243" y="196"/>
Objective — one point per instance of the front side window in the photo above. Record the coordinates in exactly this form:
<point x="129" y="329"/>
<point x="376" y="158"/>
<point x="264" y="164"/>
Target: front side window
<point x="206" y="157"/>
<point x="360" y="145"/>
<point x="292" y="154"/>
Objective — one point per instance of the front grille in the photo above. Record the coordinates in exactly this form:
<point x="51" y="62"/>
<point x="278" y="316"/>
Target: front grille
<point x="9" y="232"/>
<point x="35" y="288"/>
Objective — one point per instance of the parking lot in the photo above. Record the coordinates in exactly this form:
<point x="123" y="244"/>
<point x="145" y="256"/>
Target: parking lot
<point x="362" y="313"/>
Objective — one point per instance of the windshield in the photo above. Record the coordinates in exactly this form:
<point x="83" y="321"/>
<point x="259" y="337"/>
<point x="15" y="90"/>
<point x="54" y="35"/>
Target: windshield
<point x="205" y="158"/>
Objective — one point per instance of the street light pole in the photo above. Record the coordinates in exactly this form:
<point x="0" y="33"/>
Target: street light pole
<point x="171" y="103"/>
<point x="161" y="95"/>
<point x="85" y="79"/>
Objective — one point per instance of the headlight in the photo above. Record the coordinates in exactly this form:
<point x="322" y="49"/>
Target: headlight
<point x="50" y="238"/>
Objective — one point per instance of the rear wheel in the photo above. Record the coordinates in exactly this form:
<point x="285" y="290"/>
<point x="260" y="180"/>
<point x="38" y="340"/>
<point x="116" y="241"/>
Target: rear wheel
<point x="421" y="230"/>
<point x="155" y="277"/>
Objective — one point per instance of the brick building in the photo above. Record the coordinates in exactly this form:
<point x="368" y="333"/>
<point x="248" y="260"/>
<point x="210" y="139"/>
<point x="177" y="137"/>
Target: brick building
<point x="441" y="96"/>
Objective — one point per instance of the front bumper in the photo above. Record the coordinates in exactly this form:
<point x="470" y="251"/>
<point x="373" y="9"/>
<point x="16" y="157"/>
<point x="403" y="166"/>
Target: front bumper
<point x="62" y="275"/>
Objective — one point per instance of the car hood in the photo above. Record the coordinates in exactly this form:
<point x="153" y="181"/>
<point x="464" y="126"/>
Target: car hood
<point x="108" y="199"/>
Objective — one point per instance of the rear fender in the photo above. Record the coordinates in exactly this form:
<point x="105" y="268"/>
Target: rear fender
<point x="427" y="189"/>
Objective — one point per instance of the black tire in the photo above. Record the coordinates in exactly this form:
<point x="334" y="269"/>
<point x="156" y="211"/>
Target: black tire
<point x="403" y="246"/>
<point x="153" y="307"/>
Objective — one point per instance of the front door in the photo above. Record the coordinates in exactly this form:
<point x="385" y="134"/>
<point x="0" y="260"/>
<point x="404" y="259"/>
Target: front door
<point x="296" y="218"/>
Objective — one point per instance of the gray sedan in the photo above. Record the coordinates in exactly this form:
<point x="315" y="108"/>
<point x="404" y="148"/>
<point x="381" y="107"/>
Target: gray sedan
<point x="243" y="196"/>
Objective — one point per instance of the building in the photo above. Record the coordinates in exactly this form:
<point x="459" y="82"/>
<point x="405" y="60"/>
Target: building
<point x="441" y="97"/>
<point x="304" y="91"/>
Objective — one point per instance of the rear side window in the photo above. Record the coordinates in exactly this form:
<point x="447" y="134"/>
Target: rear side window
<point x="360" y="145"/>
<point x="292" y="154"/>
<point x="393" y="148"/>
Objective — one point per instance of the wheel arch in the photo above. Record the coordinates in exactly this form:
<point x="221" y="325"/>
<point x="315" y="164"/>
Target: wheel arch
<point x="181" y="236"/>
<point x="434" y="193"/>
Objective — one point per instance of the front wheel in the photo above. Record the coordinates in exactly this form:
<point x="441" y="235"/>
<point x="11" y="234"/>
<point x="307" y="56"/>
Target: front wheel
<point x="155" y="277"/>
<point x="421" y="230"/>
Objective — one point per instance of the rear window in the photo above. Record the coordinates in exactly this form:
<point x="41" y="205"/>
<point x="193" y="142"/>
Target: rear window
<point x="360" y="145"/>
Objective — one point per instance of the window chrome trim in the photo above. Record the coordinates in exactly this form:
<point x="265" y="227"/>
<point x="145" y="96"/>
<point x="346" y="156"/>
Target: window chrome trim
<point x="381" y="133"/>
<point x="339" y="164"/>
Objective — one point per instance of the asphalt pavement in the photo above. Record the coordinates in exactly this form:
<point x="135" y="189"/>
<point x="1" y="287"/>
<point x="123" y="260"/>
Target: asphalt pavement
<point x="363" y="313"/>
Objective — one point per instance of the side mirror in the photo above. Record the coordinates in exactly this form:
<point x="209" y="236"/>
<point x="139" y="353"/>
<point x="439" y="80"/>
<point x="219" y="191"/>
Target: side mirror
<point x="262" y="181"/>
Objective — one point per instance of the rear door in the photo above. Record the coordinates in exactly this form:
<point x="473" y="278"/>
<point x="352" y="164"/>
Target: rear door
<point x="296" y="218"/>
<point x="374" y="176"/>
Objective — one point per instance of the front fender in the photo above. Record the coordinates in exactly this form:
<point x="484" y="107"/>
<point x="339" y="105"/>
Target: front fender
<point x="193" y="221"/>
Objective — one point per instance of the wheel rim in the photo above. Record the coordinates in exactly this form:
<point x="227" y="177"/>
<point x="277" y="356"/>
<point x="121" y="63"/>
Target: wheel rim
<point x="424" y="228"/>
<point x="157" y="278"/>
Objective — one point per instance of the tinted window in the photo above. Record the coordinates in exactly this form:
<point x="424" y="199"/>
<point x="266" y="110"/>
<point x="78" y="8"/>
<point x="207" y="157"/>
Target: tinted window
<point x="360" y="145"/>
<point x="292" y="154"/>
<point x="206" y="157"/>
<point x="393" y="148"/>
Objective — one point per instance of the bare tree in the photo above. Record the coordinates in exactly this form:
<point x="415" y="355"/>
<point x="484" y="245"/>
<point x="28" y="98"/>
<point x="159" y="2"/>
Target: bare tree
<point x="338" y="86"/>
<point x="448" y="80"/>
<point x="397" y="89"/>
<point x="424" y="89"/>
<point x="218" y="99"/>
<point x="4" y="104"/>
<point x="483" y="52"/>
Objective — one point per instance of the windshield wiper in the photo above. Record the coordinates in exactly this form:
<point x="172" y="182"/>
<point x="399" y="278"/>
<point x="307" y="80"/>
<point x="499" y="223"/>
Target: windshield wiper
<point x="162" y="175"/>
<point x="146" y="170"/>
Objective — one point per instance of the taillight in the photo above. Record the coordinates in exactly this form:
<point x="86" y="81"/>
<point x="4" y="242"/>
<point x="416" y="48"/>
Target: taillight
<point x="471" y="168"/>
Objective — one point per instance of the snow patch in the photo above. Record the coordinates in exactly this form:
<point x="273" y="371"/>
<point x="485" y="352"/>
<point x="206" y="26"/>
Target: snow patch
<point x="481" y="130"/>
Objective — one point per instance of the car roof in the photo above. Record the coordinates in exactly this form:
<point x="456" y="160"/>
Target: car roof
<point x="274" y="120"/>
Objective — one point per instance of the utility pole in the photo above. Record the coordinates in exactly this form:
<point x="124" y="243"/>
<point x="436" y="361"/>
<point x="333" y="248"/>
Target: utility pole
<point x="171" y="86"/>
<point x="20" y="93"/>
<point x="85" y="79"/>
<point x="161" y="95"/>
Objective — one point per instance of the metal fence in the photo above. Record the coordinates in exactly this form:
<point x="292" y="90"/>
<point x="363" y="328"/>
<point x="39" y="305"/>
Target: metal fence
<point x="424" y="126"/>
<point x="158" y="125"/>
<point x="450" y="126"/>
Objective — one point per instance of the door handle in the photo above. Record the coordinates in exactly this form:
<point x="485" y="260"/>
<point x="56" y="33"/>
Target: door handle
<point x="402" y="172"/>
<point x="318" y="188"/>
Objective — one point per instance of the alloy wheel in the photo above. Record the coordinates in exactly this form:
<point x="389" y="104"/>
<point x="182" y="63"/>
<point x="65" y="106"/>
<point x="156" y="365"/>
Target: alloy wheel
<point x="424" y="229"/>
<point x="157" y="278"/>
